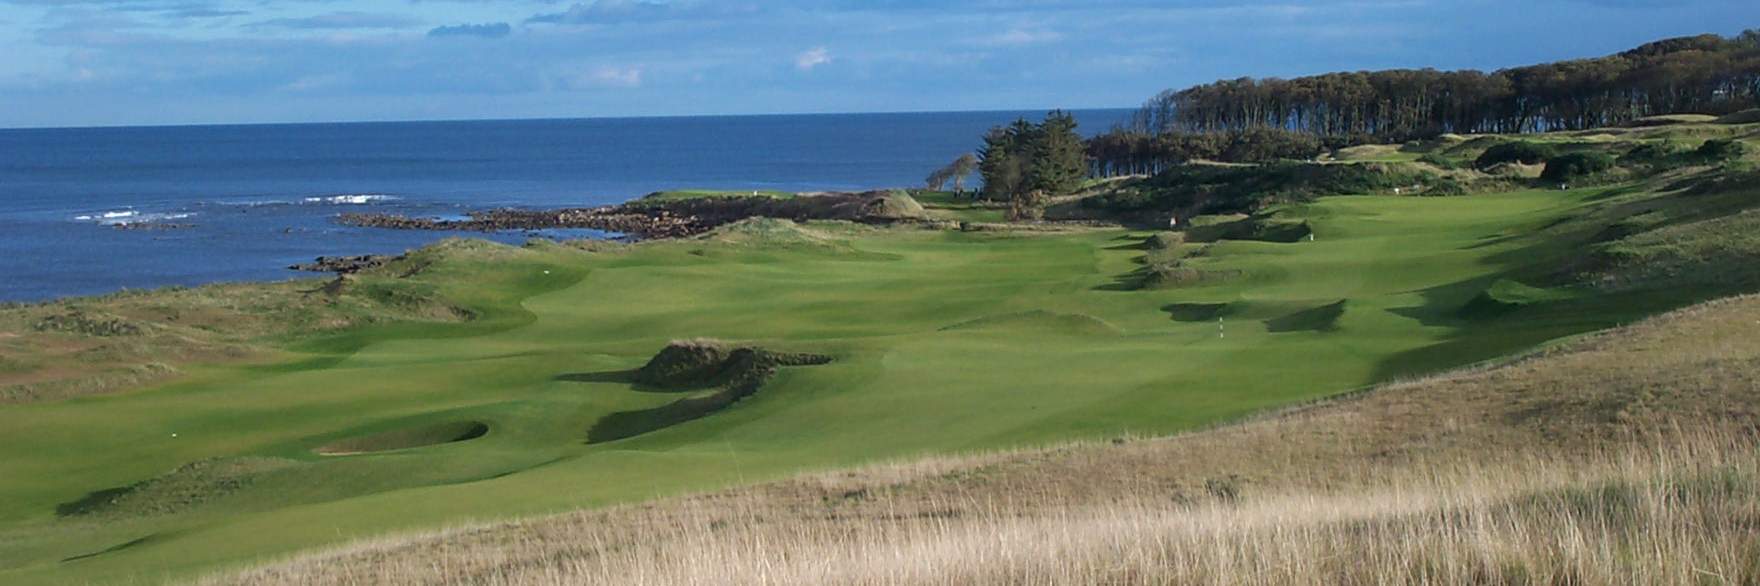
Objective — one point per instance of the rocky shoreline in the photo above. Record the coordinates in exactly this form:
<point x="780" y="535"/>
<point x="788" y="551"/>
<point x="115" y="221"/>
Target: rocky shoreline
<point x="650" y="219"/>
<point x="609" y="219"/>
<point x="344" y="265"/>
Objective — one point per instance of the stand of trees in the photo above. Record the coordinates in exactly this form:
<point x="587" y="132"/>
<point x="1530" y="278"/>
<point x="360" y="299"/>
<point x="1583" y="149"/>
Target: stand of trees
<point x="1139" y="153"/>
<point x="1023" y="163"/>
<point x="1250" y="119"/>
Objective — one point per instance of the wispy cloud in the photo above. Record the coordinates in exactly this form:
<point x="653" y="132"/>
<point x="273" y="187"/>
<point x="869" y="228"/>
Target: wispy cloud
<point x="608" y="77"/>
<point x="342" y="21"/>
<point x="636" y="11"/>
<point x="488" y="31"/>
<point x="812" y="58"/>
<point x="1019" y="37"/>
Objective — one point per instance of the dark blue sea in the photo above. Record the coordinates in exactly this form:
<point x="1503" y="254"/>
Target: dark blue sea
<point x="231" y="203"/>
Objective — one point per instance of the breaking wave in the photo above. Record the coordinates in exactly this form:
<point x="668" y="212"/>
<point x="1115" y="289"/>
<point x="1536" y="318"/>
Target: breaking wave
<point x="351" y="199"/>
<point x="115" y="217"/>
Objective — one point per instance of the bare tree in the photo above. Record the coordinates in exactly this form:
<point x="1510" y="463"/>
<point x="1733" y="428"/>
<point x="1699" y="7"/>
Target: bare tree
<point x="937" y="179"/>
<point x="962" y="168"/>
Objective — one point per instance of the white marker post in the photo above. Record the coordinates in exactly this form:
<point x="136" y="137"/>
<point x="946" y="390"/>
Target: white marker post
<point x="1219" y="332"/>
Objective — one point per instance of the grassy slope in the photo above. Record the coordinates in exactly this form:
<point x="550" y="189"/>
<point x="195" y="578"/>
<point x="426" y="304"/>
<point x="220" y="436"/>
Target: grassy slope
<point x="1624" y="457"/>
<point x="1058" y="352"/>
<point x="944" y="341"/>
<point x="943" y="205"/>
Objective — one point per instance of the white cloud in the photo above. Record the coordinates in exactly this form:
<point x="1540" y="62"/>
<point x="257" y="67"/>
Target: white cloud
<point x="812" y="58"/>
<point x="343" y="20"/>
<point x="314" y="82"/>
<point x="1019" y="37"/>
<point x="609" y="77"/>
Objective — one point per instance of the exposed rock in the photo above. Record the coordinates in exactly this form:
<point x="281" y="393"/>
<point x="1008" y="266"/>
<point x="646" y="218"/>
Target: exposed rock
<point x="669" y="218"/>
<point x="344" y="265"/>
<point x="151" y="226"/>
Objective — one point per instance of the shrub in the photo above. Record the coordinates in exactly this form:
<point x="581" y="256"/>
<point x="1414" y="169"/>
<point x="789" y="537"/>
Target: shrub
<point x="1651" y="154"/>
<point x="1574" y="165"/>
<point x="1748" y="116"/>
<point x="1446" y="186"/>
<point x="1524" y="152"/>
<point x="1123" y="199"/>
<point x="1439" y="161"/>
<point x="1164" y="240"/>
<point x="1264" y="145"/>
<point x="1718" y="150"/>
<point x="1214" y="189"/>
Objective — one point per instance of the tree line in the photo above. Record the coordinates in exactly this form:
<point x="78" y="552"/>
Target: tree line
<point x="1253" y="119"/>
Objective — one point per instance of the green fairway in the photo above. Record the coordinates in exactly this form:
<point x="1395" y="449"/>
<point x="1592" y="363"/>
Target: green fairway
<point x="942" y="341"/>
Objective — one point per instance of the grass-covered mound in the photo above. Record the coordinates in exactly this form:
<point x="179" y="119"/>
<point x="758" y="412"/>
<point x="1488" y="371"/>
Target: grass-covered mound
<point x="95" y="345"/>
<point x="1698" y="231"/>
<point x="1198" y="312"/>
<point x="777" y="234"/>
<point x="1748" y="116"/>
<point x="1446" y="165"/>
<point x="1670" y="120"/>
<point x="1518" y="151"/>
<point x="1164" y="240"/>
<point x="183" y="489"/>
<point x="1214" y="189"/>
<point x="1320" y="318"/>
<point x="686" y="363"/>
<point x="1179" y="273"/>
<point x="735" y="373"/>
<point x="1506" y="295"/>
<point x="1269" y="226"/>
<point x="405" y="438"/>
<point x="678" y="194"/>
<point x="1038" y="322"/>
<point x="717" y="210"/>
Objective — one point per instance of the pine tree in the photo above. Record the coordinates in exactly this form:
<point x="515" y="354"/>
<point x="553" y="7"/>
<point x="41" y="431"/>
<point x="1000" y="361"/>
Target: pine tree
<point x="1002" y="162"/>
<point x="1059" y="155"/>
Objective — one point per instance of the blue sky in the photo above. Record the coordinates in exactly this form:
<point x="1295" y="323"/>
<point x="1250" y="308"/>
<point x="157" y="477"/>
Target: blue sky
<point x="113" y="62"/>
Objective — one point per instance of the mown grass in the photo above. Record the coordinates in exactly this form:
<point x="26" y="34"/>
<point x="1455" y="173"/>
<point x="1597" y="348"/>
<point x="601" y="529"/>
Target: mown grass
<point x="946" y="205"/>
<point x="1625" y="457"/>
<point x="942" y="341"/>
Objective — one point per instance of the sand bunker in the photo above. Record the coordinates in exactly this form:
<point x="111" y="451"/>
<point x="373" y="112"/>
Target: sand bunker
<point x="410" y="437"/>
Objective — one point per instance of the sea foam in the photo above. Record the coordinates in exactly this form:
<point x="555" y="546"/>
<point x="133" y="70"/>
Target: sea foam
<point x="351" y="199"/>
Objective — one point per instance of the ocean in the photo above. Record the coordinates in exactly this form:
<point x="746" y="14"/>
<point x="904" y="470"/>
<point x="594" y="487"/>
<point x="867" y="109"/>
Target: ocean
<point x="237" y="203"/>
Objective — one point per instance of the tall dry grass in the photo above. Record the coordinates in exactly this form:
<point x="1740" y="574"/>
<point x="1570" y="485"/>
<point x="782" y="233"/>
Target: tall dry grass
<point x="1680" y="512"/>
<point x="1630" y="457"/>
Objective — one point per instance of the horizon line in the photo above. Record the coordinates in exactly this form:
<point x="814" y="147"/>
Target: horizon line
<point x="549" y="118"/>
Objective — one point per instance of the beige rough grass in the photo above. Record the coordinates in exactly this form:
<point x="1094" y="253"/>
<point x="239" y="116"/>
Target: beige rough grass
<point x="1623" y="458"/>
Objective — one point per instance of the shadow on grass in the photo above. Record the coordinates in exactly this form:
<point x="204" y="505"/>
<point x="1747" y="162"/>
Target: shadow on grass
<point x="92" y="502"/>
<point x="609" y="376"/>
<point x="112" y="549"/>
<point x="1195" y="312"/>
<point x="1315" y="319"/>
<point x="747" y="371"/>
<point x="1517" y="329"/>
